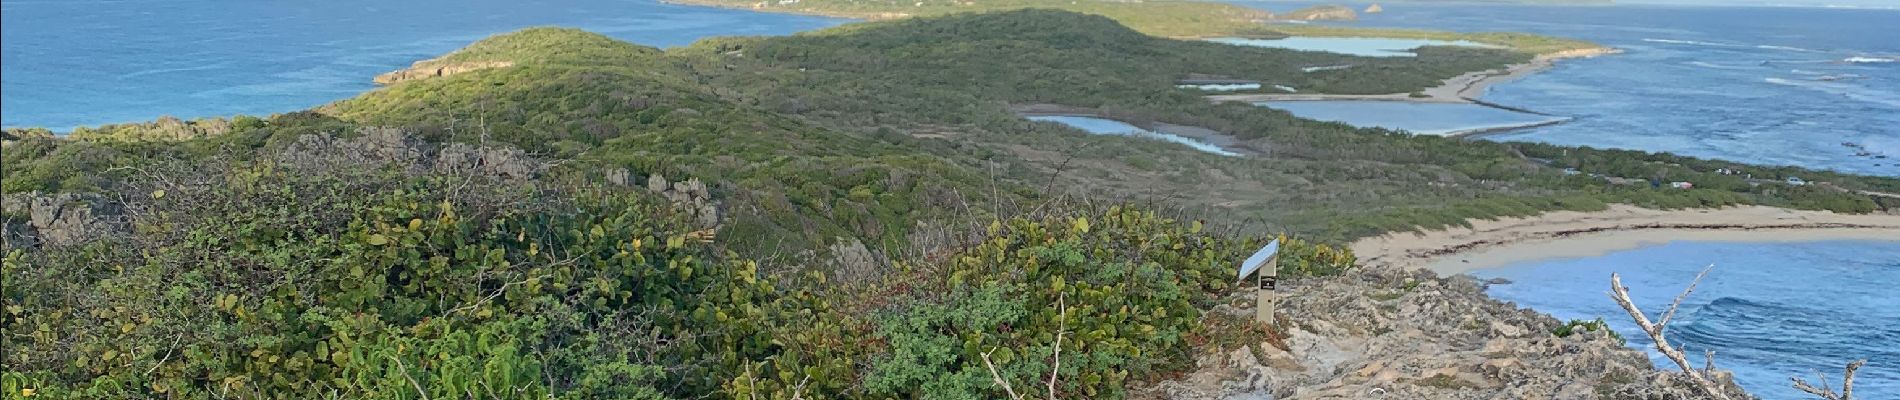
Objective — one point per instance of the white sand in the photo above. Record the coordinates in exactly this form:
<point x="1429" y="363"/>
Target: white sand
<point x="1458" y="89"/>
<point x="1491" y="244"/>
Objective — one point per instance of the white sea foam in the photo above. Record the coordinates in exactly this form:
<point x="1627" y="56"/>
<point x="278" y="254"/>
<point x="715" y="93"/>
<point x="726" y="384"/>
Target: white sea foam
<point x="1717" y="66"/>
<point x="1851" y="91"/>
<point x="1869" y="60"/>
<point x="1690" y="42"/>
<point x="1774" y="47"/>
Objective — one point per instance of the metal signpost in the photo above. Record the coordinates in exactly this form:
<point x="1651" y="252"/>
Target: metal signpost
<point x="1264" y="266"/>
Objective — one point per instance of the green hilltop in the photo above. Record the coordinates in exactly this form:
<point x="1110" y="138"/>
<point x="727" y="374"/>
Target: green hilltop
<point x="851" y="213"/>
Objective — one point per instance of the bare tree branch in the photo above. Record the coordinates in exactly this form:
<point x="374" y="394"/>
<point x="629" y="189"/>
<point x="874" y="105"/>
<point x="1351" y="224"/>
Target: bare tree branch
<point x="1655" y="331"/>
<point x="1673" y="305"/>
<point x="1827" y="393"/>
<point x="1062" y="327"/>
<point x="998" y="378"/>
<point x="412" y="380"/>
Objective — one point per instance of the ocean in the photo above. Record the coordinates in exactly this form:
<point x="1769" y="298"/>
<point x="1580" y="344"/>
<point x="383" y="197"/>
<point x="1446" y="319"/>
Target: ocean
<point x="1768" y="85"/>
<point x="1764" y="85"/>
<point x="70" y="63"/>
<point x="1769" y="311"/>
<point x="1812" y="87"/>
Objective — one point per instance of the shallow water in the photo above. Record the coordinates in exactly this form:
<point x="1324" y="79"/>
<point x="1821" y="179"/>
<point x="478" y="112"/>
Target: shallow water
<point x="1771" y="85"/>
<point x="1102" y="126"/>
<point x="1419" y="118"/>
<point x="1368" y="47"/>
<point x="1769" y="310"/>
<point x="85" y="62"/>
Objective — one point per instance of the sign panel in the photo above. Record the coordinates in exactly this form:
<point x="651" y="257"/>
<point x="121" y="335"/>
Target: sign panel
<point x="1258" y="259"/>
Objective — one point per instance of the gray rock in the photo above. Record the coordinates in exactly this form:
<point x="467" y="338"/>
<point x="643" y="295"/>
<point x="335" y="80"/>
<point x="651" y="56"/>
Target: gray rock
<point x="61" y="219"/>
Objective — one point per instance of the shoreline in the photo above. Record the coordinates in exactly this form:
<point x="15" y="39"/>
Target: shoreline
<point x="1461" y="89"/>
<point x="1571" y="234"/>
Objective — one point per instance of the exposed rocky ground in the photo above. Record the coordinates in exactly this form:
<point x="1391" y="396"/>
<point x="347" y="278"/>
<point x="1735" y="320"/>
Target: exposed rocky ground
<point x="1391" y="334"/>
<point x="435" y="68"/>
<point x="1319" y="13"/>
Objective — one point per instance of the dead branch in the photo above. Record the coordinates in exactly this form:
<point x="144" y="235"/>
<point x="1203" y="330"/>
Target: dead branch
<point x="1062" y="326"/>
<point x="412" y="380"/>
<point x="1826" y="393"/>
<point x="998" y="378"/>
<point x="1062" y="323"/>
<point x="1655" y="331"/>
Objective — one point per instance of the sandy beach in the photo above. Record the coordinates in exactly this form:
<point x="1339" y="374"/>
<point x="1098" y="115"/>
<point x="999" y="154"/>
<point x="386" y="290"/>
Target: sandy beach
<point x="1567" y="234"/>
<point x="1459" y="89"/>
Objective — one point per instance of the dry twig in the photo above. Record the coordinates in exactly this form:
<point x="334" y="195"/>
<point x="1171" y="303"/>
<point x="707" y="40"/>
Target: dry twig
<point x="1655" y="331"/>
<point x="1827" y="393"/>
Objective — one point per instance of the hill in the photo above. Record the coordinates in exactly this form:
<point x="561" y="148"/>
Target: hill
<point x="850" y="213"/>
<point x="1174" y="19"/>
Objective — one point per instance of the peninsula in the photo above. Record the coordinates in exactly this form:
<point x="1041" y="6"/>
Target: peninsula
<point x="853" y="213"/>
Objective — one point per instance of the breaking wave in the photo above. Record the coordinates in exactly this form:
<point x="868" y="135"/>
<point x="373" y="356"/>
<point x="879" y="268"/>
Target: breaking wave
<point x="1691" y="42"/>
<point x="1850" y="91"/>
<point x="1869" y="60"/>
<point x="1704" y="64"/>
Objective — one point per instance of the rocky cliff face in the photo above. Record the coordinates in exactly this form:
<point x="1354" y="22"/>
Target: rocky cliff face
<point x="435" y="68"/>
<point x="387" y="146"/>
<point x="35" y="219"/>
<point x="1391" y="334"/>
<point x="1320" y="13"/>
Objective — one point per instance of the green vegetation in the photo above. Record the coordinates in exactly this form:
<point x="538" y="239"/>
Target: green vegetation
<point x="1581" y="325"/>
<point x="244" y="272"/>
<point x="1170" y="18"/>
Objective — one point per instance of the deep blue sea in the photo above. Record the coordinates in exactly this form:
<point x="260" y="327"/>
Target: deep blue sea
<point x="1766" y="85"/>
<point x="1763" y="85"/>
<point x="1769" y="311"/>
<point x="68" y="63"/>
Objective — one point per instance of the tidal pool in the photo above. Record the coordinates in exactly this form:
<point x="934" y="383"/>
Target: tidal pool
<point x="1437" y="119"/>
<point x="1103" y="126"/>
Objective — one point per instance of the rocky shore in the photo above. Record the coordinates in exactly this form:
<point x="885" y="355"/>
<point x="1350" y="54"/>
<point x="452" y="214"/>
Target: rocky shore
<point x="1391" y="333"/>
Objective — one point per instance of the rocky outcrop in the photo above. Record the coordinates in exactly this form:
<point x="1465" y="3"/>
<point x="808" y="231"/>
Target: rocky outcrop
<point x="1374" y="9"/>
<point x="1412" y="335"/>
<point x="436" y="68"/>
<point x="35" y="219"/>
<point x="1320" y="13"/>
<point x="689" y="196"/>
<point x="378" y="147"/>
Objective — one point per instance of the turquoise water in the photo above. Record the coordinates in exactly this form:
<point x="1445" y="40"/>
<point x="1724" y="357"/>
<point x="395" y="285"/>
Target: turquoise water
<point x="1368" y="47"/>
<point x="1769" y="310"/>
<point x="1769" y="85"/>
<point x="67" y="63"/>
<point x="1419" y="118"/>
<point x="1222" y="87"/>
<point x="1102" y="126"/>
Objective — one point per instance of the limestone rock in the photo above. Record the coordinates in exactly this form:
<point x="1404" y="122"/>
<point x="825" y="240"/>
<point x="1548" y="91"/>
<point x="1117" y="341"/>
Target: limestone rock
<point x="1374" y="9"/>
<point x="436" y="68"/>
<point x="1321" y="13"/>
<point x="59" y="219"/>
<point x="1391" y="334"/>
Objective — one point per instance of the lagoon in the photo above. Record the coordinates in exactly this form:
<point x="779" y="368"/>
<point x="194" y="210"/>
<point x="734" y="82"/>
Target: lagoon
<point x="1438" y="119"/>
<point x="1358" y="46"/>
<point x="1103" y="126"/>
